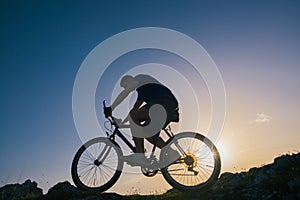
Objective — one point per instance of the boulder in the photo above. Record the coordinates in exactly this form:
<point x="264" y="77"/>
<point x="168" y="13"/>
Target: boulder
<point x="27" y="190"/>
<point x="63" y="190"/>
<point x="66" y="191"/>
<point x="282" y="162"/>
<point x="294" y="184"/>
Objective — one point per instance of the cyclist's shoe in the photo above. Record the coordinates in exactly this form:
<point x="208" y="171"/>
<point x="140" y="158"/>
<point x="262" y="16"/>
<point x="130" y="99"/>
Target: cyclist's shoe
<point x="136" y="159"/>
<point x="171" y="156"/>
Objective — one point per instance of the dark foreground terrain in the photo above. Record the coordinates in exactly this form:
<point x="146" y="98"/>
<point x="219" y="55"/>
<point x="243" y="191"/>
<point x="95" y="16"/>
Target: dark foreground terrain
<point x="279" y="180"/>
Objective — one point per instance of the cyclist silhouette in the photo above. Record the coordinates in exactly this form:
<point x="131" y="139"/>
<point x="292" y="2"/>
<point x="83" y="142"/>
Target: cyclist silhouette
<point x="189" y="161"/>
<point x="150" y="92"/>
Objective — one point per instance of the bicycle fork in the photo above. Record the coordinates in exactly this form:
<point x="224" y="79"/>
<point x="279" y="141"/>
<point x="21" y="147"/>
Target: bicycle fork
<point x="104" y="153"/>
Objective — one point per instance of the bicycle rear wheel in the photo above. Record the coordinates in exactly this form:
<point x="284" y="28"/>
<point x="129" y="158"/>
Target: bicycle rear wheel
<point x="198" y="166"/>
<point x="97" y="165"/>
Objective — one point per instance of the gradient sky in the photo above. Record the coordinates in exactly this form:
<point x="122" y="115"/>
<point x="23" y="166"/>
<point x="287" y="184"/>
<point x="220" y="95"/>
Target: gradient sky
<point x="255" y="45"/>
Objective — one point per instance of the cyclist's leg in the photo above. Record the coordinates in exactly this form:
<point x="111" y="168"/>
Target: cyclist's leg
<point x="169" y="105"/>
<point x="138" y="117"/>
<point x="157" y="140"/>
<point x="139" y="145"/>
<point x="141" y="117"/>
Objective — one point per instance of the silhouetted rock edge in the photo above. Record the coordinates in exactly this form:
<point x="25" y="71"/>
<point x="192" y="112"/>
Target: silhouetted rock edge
<point x="279" y="180"/>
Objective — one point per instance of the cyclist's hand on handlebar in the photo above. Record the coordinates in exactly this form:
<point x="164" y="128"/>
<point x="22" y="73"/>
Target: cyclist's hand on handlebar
<point x="107" y="111"/>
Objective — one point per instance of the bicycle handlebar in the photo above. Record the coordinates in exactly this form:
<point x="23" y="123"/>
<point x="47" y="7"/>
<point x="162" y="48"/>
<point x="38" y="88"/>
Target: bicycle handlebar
<point x="107" y="116"/>
<point x="112" y="119"/>
<point x="104" y="106"/>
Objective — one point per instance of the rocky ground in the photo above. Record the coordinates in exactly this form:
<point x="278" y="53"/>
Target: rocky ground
<point x="279" y="180"/>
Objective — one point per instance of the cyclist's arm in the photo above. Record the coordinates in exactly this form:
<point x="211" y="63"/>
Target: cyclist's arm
<point x="129" y="88"/>
<point x="120" y="98"/>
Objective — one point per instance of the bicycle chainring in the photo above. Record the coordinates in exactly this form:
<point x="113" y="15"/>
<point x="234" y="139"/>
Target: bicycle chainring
<point x="151" y="170"/>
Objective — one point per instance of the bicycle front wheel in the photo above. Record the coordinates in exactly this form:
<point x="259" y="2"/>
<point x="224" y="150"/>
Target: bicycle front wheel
<point x="97" y="165"/>
<point x="197" y="165"/>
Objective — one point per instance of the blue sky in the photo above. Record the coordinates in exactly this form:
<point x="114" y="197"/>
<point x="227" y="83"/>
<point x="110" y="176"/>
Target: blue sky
<point x="255" y="44"/>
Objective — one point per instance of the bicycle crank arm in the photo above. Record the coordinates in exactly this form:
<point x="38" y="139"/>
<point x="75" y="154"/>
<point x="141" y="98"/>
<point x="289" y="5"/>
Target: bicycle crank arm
<point x="190" y="169"/>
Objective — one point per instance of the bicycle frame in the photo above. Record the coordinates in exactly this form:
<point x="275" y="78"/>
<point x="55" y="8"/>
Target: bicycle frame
<point x="88" y="167"/>
<point x="124" y="139"/>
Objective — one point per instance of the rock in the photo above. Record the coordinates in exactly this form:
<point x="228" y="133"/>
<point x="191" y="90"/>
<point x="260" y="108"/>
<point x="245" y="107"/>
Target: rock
<point x="280" y="180"/>
<point x="234" y="182"/>
<point x="282" y="162"/>
<point x="294" y="184"/>
<point x="226" y="176"/>
<point x="261" y="178"/>
<point x="64" y="190"/>
<point x="27" y="190"/>
<point x="254" y="170"/>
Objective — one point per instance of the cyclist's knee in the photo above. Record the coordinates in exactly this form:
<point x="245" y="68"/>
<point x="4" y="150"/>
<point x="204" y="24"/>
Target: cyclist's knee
<point x="139" y="115"/>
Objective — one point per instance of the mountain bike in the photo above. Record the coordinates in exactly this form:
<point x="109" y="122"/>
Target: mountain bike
<point x="98" y="163"/>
